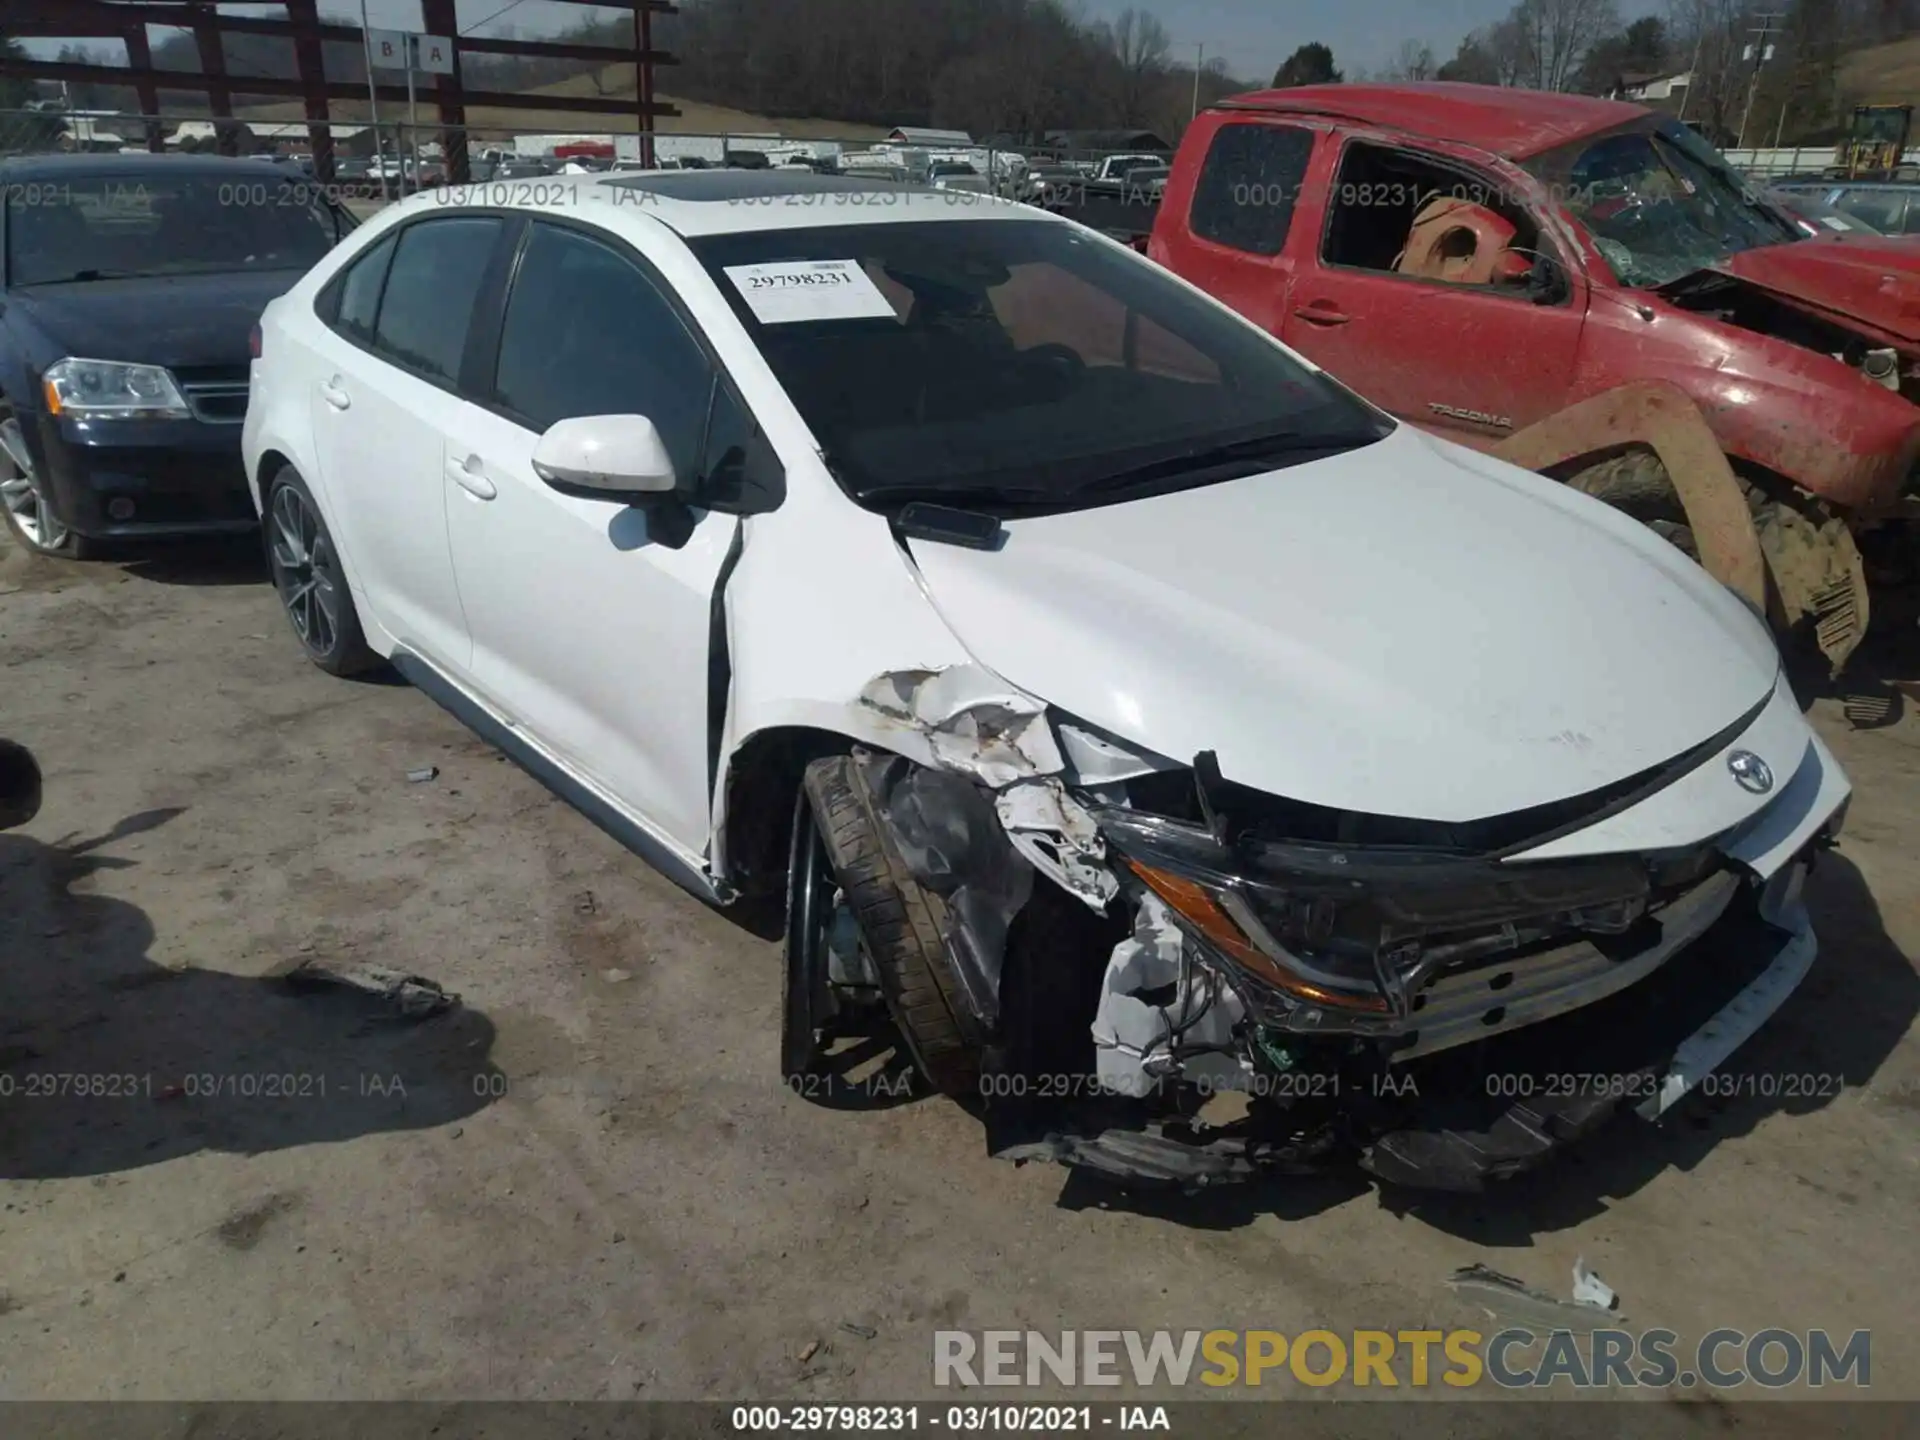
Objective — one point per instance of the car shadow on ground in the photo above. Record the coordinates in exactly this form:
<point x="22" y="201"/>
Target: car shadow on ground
<point x="1855" y="1006"/>
<point x="109" y="1062"/>
<point x="1882" y="680"/>
<point x="865" y="1066"/>
<point x="226" y="560"/>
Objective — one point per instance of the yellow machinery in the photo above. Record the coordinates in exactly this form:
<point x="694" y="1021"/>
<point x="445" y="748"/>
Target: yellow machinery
<point x="1875" y="141"/>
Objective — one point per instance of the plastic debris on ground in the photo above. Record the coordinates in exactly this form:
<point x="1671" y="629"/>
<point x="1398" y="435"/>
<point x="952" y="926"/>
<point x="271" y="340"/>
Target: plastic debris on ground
<point x="409" y="997"/>
<point x="1512" y="1301"/>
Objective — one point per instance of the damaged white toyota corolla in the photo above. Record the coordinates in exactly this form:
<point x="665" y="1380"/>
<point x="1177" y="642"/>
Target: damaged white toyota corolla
<point x="1122" y="704"/>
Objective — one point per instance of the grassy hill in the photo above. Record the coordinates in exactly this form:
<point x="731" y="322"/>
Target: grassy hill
<point x="1885" y="74"/>
<point x="616" y="82"/>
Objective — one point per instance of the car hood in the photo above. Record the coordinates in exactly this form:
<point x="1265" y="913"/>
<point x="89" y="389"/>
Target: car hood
<point x="1408" y="629"/>
<point x="1872" y="279"/>
<point x="172" y="320"/>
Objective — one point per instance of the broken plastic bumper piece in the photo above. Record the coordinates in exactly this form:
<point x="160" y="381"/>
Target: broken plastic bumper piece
<point x="1644" y="1048"/>
<point x="1709" y="1047"/>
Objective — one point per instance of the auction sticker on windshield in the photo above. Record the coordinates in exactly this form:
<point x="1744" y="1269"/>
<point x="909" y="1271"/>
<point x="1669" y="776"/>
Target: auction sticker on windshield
<point x="788" y="292"/>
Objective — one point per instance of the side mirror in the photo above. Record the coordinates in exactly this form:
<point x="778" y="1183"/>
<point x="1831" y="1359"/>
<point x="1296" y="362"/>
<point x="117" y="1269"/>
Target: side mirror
<point x="606" y="457"/>
<point x="19" y="785"/>
<point x="1547" y="282"/>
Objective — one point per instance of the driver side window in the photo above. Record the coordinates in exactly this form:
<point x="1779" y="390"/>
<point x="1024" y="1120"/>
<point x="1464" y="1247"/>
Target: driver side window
<point x="1399" y="213"/>
<point x="587" y="333"/>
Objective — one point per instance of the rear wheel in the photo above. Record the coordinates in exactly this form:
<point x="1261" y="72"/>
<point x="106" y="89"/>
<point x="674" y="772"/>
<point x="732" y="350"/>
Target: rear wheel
<point x="312" y="585"/>
<point x="23" y="500"/>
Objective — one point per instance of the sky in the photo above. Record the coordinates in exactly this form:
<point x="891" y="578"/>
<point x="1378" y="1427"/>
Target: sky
<point x="1253" y="36"/>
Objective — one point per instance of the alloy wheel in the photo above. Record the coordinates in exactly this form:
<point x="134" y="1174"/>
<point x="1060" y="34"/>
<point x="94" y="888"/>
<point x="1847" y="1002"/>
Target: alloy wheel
<point x="811" y="900"/>
<point x="304" y="571"/>
<point x="20" y="491"/>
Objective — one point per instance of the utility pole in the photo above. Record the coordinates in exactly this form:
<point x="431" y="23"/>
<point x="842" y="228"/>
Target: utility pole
<point x="413" y="118"/>
<point x="1693" y="73"/>
<point x="373" y="104"/>
<point x="1761" y="51"/>
<point x="1199" y="61"/>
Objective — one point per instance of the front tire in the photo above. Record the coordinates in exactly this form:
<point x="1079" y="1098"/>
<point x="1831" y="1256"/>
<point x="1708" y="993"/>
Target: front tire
<point x="24" y="504"/>
<point x="804" y="1000"/>
<point x="902" y="924"/>
<point x="311" y="583"/>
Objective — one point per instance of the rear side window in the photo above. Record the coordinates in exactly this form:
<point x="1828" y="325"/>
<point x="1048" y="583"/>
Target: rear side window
<point x="1248" y="183"/>
<point x="432" y="290"/>
<point x="359" y="293"/>
<point x="588" y="333"/>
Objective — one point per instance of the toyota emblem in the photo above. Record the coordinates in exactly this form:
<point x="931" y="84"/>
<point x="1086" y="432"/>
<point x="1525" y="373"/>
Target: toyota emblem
<point x="1750" y="772"/>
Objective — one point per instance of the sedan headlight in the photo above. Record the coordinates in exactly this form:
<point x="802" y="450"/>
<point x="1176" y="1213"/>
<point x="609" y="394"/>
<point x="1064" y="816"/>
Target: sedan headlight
<point x="1347" y="935"/>
<point x="1226" y="912"/>
<point x="113" y="390"/>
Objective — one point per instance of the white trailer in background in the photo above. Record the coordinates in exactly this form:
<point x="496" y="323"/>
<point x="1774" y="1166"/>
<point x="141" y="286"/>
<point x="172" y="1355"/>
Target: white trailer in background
<point x="670" y="150"/>
<point x="787" y="152"/>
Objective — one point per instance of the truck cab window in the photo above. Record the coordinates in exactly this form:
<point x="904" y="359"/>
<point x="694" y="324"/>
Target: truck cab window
<point x="1397" y="212"/>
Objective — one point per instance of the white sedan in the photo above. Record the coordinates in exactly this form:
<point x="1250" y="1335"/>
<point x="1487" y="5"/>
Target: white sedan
<point x="1120" y="705"/>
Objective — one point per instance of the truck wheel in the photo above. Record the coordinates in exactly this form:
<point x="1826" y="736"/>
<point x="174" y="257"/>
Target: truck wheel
<point x="1660" y="462"/>
<point x="1816" y="582"/>
<point x="1637" y="484"/>
<point x="902" y="924"/>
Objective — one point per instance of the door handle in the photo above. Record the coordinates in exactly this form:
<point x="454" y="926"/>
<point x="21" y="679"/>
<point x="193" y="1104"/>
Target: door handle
<point x="470" y="477"/>
<point x="1322" y="312"/>
<point x="331" y="392"/>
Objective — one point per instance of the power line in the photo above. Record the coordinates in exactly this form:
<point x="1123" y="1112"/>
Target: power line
<point x="514" y="5"/>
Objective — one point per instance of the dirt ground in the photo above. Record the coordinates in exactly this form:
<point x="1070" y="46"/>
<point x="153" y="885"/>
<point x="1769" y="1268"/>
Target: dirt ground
<point x="587" y="1180"/>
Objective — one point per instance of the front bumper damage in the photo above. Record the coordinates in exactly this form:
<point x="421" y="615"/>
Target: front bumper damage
<point x="1252" y="985"/>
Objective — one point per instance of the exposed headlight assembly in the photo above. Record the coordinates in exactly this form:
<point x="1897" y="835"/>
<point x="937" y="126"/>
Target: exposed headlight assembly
<point x="1347" y="936"/>
<point x="112" y="390"/>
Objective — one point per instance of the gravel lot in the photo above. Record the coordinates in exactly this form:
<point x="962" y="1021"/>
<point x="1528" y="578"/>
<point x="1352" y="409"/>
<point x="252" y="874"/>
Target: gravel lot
<point x="587" y="1181"/>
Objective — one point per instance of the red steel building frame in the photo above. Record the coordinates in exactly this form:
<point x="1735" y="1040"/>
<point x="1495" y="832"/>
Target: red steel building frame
<point x="127" y="20"/>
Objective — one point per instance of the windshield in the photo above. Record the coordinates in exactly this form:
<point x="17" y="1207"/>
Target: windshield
<point x="1881" y="124"/>
<point x="1018" y="364"/>
<point x="159" y="224"/>
<point x="1659" y="202"/>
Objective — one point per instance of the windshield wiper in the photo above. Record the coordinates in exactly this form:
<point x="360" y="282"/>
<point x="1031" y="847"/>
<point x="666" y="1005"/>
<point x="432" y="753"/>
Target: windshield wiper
<point x="1214" y="457"/>
<point x="959" y="493"/>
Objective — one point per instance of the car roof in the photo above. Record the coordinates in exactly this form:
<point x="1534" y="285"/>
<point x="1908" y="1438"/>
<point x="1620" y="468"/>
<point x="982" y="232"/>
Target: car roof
<point x="723" y="186"/>
<point x="695" y="203"/>
<point x="1513" y="123"/>
<point x="94" y="166"/>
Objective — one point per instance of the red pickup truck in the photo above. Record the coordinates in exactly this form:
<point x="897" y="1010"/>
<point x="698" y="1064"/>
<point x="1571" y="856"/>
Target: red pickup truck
<point x="1588" y="288"/>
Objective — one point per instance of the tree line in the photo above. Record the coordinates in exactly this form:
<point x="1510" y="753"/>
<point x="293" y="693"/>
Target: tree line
<point x="1024" y="67"/>
<point x="1770" y="71"/>
<point x="1007" y="67"/>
